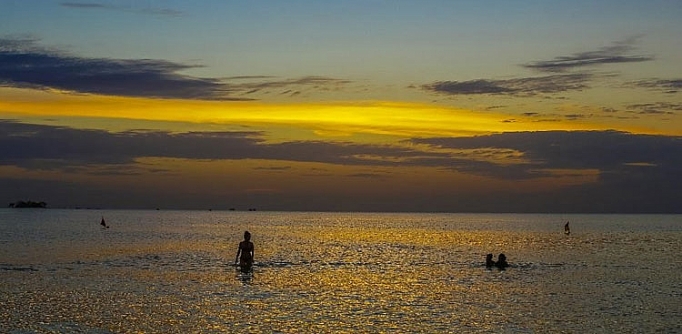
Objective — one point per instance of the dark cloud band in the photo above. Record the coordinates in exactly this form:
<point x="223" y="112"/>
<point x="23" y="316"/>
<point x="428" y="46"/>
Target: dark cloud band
<point x="24" y="64"/>
<point x="521" y="86"/>
<point x="24" y="144"/>
<point x="636" y="173"/>
<point x="600" y="150"/>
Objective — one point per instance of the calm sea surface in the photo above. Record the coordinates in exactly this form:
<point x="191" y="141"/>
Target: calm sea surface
<point x="172" y="272"/>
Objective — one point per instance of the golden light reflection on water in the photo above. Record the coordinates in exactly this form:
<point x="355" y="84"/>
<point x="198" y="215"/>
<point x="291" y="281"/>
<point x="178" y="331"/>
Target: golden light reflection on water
<point x="343" y="273"/>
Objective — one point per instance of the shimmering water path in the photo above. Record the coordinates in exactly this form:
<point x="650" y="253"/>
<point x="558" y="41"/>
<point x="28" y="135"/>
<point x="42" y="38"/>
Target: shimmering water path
<point x="172" y="272"/>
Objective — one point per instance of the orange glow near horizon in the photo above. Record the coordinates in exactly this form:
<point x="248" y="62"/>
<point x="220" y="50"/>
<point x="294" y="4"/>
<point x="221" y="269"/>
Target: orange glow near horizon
<point x="367" y="178"/>
<point x="248" y="178"/>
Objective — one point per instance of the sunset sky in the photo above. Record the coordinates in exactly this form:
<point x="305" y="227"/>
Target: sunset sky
<point x="372" y="105"/>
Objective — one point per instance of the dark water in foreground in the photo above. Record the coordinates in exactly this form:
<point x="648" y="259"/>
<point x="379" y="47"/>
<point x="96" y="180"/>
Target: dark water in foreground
<point x="171" y="272"/>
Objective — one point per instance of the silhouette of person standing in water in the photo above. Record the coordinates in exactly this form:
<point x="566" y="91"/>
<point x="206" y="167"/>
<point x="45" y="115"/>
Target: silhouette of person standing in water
<point x="245" y="253"/>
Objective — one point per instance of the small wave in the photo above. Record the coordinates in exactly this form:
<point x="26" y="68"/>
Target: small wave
<point x="276" y="264"/>
<point x="69" y="327"/>
<point x="17" y="268"/>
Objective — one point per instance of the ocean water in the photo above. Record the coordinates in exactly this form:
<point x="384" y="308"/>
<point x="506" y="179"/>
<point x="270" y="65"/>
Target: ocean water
<point x="173" y="272"/>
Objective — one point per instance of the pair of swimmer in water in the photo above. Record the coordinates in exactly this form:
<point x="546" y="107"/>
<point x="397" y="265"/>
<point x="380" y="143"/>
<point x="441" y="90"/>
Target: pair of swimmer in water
<point x="501" y="261"/>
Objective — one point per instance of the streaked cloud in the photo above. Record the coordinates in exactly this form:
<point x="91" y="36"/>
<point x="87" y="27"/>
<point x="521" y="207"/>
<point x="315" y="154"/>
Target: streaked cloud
<point x="308" y="81"/>
<point x="368" y="175"/>
<point x="665" y="85"/>
<point x="274" y="168"/>
<point x="248" y="85"/>
<point x="618" y="52"/>
<point x="84" y="5"/>
<point x="657" y="108"/>
<point x="249" y="77"/>
<point x="560" y="81"/>
<point x="521" y="86"/>
<point x="130" y="9"/>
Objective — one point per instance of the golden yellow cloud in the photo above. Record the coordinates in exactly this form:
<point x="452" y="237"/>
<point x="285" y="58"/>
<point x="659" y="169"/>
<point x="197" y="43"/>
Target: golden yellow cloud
<point x="356" y="121"/>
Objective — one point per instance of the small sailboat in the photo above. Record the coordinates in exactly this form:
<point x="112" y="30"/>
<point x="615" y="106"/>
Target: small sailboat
<point x="567" y="229"/>
<point x="104" y="223"/>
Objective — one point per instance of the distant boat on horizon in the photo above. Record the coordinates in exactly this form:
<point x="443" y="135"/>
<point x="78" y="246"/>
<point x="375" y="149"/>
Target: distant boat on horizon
<point x="103" y="223"/>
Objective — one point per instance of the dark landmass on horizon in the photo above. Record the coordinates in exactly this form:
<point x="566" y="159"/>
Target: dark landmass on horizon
<point x="28" y="204"/>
